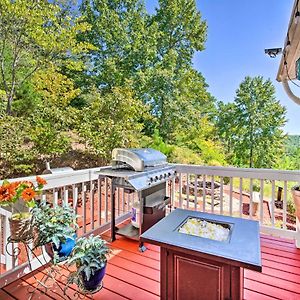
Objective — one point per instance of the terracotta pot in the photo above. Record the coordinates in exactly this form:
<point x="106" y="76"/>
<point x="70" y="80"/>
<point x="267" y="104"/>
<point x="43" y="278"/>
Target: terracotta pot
<point x="296" y="198"/>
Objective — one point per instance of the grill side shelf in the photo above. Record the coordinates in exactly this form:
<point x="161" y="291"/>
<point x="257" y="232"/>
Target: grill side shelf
<point x="150" y="209"/>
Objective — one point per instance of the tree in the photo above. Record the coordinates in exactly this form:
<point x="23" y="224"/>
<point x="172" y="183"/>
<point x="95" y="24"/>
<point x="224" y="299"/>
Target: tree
<point x="111" y="120"/>
<point x="252" y="125"/>
<point x="181" y="32"/>
<point x="32" y="34"/>
<point x="123" y="42"/>
<point x="150" y="54"/>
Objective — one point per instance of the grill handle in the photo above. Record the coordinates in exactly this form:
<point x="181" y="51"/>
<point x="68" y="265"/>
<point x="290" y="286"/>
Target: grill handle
<point x="149" y="210"/>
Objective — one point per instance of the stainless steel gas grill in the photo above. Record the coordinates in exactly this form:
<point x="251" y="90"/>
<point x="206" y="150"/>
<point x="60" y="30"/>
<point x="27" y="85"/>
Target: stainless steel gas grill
<point x="147" y="172"/>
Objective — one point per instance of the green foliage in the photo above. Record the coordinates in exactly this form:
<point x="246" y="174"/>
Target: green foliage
<point x="291" y="158"/>
<point x="32" y="34"/>
<point x="111" y="120"/>
<point x="116" y="76"/>
<point x="157" y="143"/>
<point x="252" y="124"/>
<point x="184" y="155"/>
<point x="17" y="152"/>
<point x="53" y="224"/>
<point x="89" y="255"/>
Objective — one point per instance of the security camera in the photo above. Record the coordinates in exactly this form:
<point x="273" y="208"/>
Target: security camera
<point x="273" y="52"/>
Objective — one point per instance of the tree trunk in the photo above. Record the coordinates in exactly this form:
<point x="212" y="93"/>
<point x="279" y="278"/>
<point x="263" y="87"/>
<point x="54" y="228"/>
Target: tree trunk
<point x="9" y="105"/>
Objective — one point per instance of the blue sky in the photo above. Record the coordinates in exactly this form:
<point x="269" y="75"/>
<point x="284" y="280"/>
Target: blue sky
<point x="238" y="33"/>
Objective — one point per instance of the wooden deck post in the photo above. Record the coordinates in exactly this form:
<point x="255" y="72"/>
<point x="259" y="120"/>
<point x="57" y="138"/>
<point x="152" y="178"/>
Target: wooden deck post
<point x="297" y="236"/>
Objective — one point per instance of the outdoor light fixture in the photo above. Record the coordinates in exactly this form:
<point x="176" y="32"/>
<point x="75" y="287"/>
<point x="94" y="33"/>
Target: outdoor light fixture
<point x="273" y="52"/>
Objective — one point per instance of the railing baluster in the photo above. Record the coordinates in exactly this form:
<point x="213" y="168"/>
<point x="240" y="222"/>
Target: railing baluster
<point x="74" y="196"/>
<point x="44" y="198"/>
<point x="180" y="190"/>
<point x="66" y="196"/>
<point x="83" y="197"/>
<point x="241" y="197"/>
<point x="173" y="193"/>
<point x="75" y="200"/>
<point x="92" y="212"/>
<point x="251" y="199"/>
<point x="273" y="204"/>
<point x="204" y="193"/>
<point x="187" y="190"/>
<point x="9" y="261"/>
<point x="106" y="199"/>
<point x="230" y="196"/>
<point x="284" y="203"/>
<point x="119" y="197"/>
<point x="212" y="193"/>
<point x="196" y="191"/>
<point x="99" y="194"/>
<point x="221" y="194"/>
<point x="261" y="202"/>
<point x="55" y="197"/>
<point x="123" y="200"/>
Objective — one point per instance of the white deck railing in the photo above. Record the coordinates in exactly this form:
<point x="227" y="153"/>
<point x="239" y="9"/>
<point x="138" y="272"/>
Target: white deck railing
<point x="88" y="194"/>
<point x="233" y="191"/>
<point x="220" y="190"/>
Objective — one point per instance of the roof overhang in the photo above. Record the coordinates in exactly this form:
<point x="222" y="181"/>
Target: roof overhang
<point x="287" y="67"/>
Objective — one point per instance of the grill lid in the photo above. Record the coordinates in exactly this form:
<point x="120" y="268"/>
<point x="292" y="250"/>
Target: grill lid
<point x="137" y="159"/>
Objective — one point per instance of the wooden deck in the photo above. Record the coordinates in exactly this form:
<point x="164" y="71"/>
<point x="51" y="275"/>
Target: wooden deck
<point x="135" y="275"/>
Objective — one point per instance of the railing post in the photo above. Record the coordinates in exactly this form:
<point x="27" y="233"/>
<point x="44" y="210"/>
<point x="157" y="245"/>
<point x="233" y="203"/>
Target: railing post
<point x="297" y="235"/>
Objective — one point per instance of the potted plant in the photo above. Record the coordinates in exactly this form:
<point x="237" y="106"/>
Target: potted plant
<point x="90" y="257"/>
<point x="19" y="196"/>
<point x="55" y="227"/>
<point x="296" y="198"/>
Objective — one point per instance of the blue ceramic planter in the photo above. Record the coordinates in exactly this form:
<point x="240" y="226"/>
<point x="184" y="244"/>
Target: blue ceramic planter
<point x="64" y="249"/>
<point x="95" y="280"/>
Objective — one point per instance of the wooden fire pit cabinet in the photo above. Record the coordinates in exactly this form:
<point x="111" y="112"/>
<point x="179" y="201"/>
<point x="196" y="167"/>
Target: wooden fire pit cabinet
<point x="195" y="268"/>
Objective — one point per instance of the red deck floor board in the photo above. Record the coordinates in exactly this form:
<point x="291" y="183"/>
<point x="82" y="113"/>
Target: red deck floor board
<point x="135" y="275"/>
<point x="4" y="295"/>
<point x="135" y="267"/>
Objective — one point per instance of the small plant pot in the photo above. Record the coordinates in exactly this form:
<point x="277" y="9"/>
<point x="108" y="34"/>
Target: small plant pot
<point x="64" y="249"/>
<point x="21" y="227"/>
<point x="95" y="281"/>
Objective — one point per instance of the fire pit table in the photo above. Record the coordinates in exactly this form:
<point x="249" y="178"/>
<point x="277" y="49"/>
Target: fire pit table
<point x="202" y="255"/>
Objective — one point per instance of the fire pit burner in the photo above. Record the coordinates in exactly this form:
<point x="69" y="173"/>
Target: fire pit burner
<point x="207" y="229"/>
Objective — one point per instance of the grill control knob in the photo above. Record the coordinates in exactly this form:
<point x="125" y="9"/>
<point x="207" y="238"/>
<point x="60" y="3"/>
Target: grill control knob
<point x="156" y="178"/>
<point x="169" y="174"/>
<point x="151" y="179"/>
<point x="165" y="175"/>
<point x="160" y="177"/>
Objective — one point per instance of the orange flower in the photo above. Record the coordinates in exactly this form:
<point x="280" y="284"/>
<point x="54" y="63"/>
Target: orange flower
<point x="7" y="192"/>
<point x="28" y="194"/>
<point x="40" y="180"/>
<point x="29" y="184"/>
<point x="15" y="185"/>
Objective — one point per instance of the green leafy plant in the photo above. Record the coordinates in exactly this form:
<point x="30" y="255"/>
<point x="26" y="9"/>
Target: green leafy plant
<point x="54" y="224"/>
<point x="89" y="255"/>
<point x="256" y="187"/>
